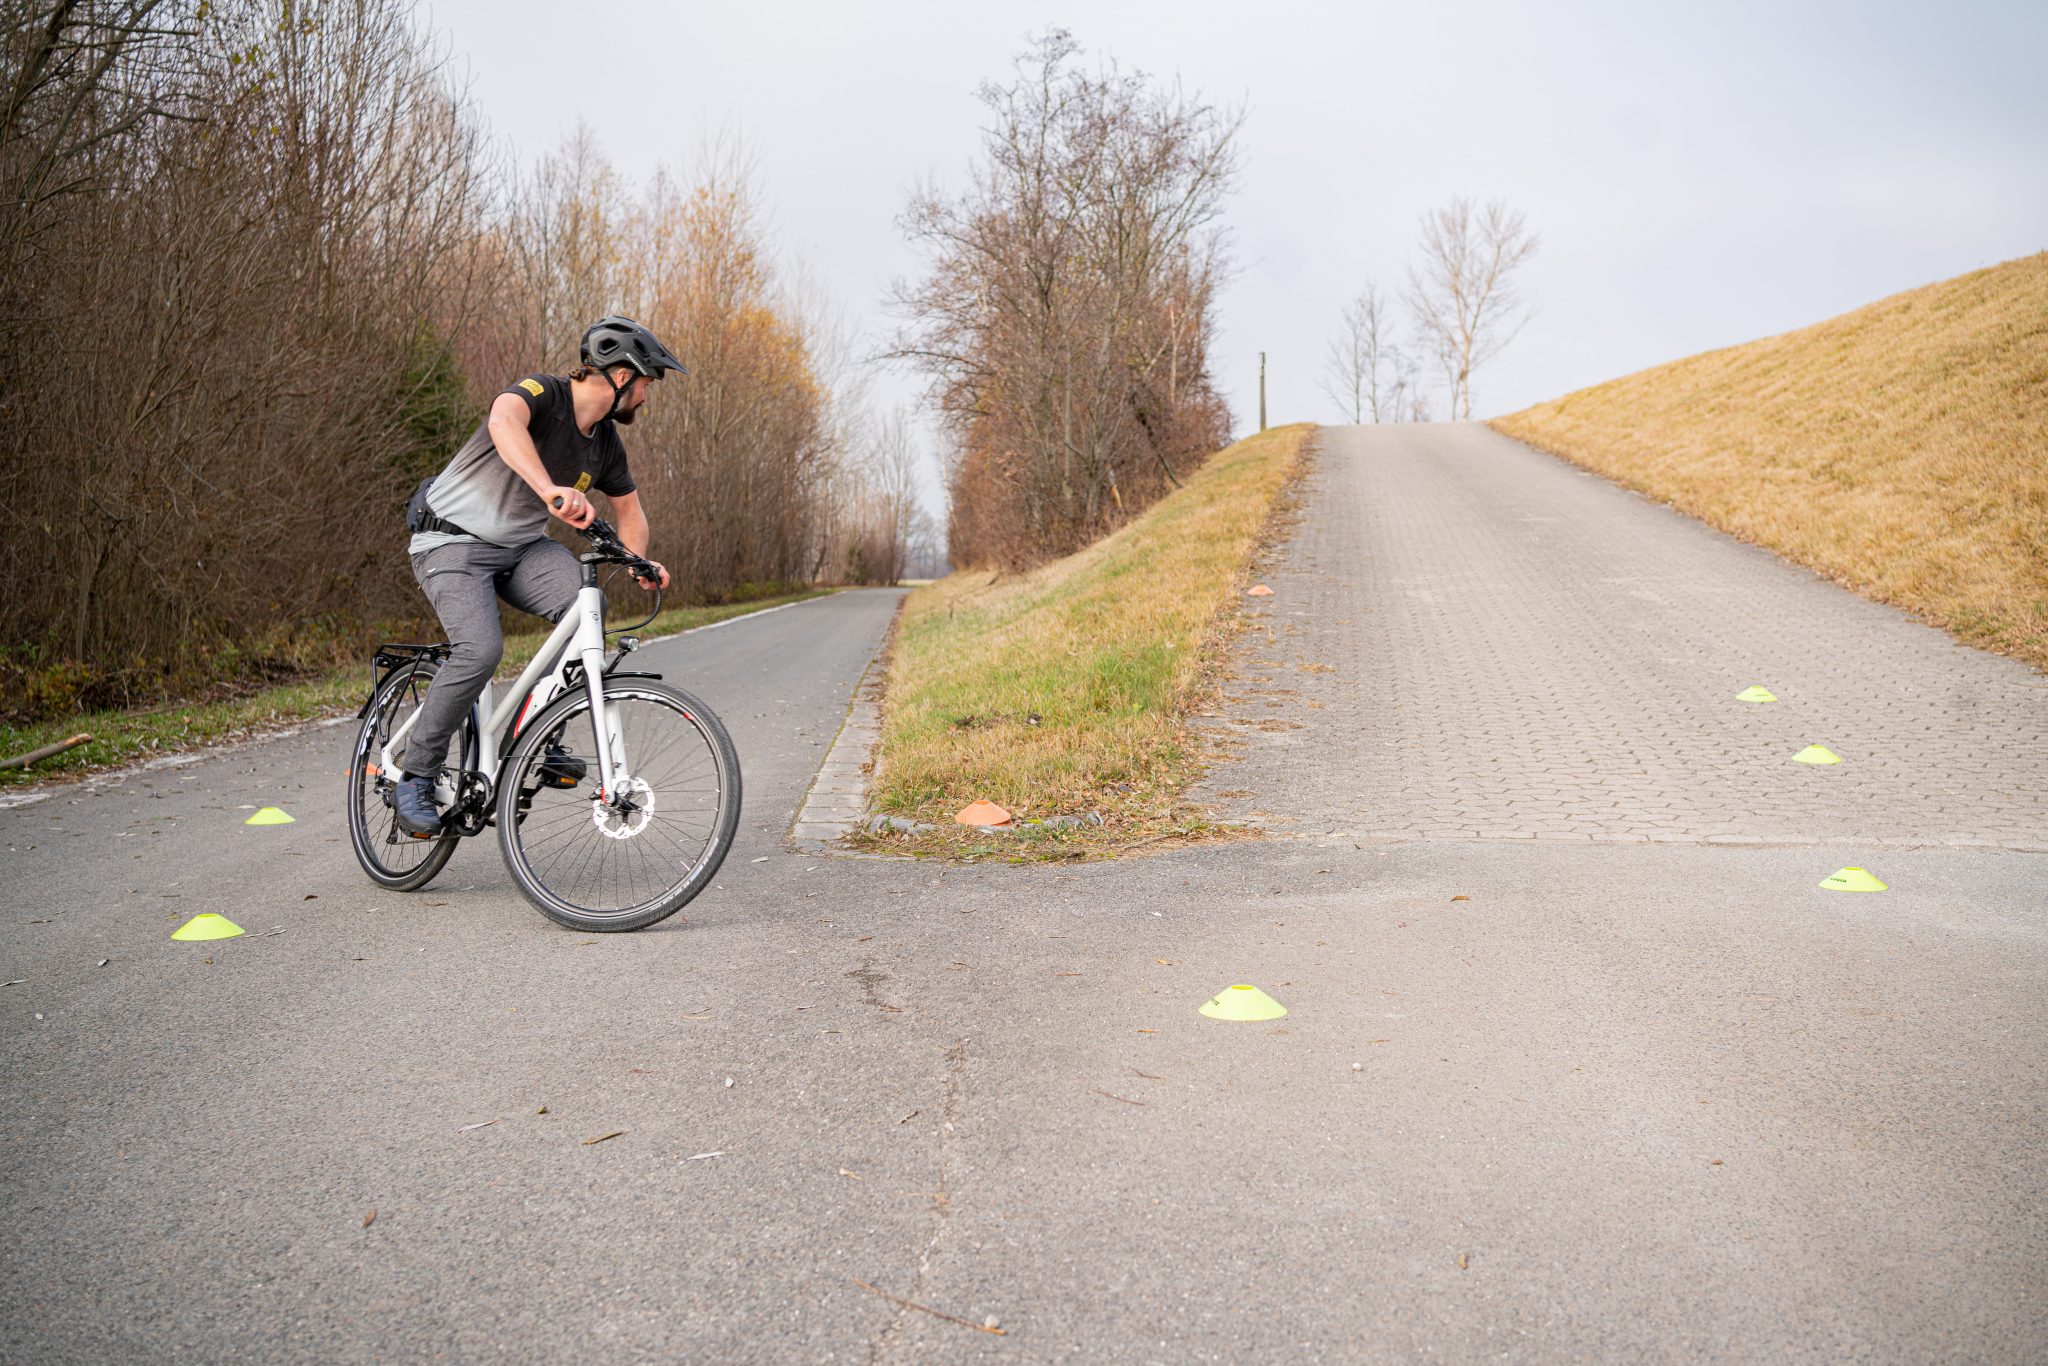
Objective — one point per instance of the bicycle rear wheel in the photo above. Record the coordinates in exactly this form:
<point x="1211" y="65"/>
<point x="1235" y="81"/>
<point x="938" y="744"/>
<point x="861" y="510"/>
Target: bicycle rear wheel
<point x="391" y="857"/>
<point x="624" y="862"/>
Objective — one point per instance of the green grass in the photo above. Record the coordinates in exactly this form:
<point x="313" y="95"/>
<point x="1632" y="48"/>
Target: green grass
<point x="121" y="737"/>
<point x="1066" y="690"/>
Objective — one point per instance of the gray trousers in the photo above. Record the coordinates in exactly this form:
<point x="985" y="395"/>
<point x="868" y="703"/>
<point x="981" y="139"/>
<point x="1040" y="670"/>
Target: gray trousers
<point x="464" y="580"/>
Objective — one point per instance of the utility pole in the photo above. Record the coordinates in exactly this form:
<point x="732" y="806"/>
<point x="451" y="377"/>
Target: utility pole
<point x="1262" y="391"/>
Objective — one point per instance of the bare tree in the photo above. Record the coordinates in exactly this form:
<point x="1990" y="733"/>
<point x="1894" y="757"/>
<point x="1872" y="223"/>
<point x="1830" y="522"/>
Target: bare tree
<point x="1361" y="370"/>
<point x="1464" y="299"/>
<point x="1064" y="319"/>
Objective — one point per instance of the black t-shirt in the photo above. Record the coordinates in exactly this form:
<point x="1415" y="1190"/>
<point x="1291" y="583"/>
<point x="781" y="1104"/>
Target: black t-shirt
<point x="480" y="493"/>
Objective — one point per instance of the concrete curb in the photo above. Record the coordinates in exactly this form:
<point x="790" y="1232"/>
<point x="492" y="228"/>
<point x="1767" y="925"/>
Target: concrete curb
<point x="838" y="796"/>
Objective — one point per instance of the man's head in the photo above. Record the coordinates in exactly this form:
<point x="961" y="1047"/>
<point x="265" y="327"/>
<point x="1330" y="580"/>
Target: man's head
<point x="630" y="359"/>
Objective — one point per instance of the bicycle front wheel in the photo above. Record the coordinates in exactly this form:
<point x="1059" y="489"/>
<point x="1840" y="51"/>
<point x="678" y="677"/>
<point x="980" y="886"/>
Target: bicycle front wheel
<point x="618" y="861"/>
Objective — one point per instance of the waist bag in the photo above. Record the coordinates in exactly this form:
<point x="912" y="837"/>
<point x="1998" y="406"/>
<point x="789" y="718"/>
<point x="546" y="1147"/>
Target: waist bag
<point x="420" y="517"/>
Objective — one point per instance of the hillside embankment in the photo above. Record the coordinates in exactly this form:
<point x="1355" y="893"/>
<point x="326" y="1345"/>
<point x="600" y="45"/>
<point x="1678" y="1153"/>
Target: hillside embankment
<point x="1900" y="450"/>
<point x="1065" y="691"/>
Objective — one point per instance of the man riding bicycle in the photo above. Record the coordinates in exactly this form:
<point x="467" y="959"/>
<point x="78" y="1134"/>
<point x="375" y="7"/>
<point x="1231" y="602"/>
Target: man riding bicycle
<point x="480" y="526"/>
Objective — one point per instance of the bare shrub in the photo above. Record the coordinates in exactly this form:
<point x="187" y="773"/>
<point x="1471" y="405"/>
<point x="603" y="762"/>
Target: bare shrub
<point x="222" y="337"/>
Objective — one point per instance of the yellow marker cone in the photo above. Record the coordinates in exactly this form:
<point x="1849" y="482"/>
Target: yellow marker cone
<point x="208" y="926"/>
<point x="1242" y="1002"/>
<point x="1816" y="754"/>
<point x="269" y="815"/>
<point x="1852" y="880"/>
<point x="1756" y="694"/>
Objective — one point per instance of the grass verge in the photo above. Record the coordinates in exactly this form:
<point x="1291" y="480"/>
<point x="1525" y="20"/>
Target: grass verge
<point x="1900" y="450"/>
<point x="121" y="737"/>
<point x="1066" y="690"/>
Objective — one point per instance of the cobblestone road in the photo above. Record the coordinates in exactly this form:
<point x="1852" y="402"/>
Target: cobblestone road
<point x="1470" y="639"/>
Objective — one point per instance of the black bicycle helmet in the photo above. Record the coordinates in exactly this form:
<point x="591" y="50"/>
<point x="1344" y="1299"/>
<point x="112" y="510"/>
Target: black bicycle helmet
<point x="614" y="341"/>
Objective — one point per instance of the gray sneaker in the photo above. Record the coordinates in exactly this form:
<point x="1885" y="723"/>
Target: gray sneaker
<point x="413" y="803"/>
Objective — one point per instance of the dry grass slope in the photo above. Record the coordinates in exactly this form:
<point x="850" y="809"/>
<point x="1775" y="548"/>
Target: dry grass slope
<point x="1064" y="690"/>
<point x="1901" y="450"/>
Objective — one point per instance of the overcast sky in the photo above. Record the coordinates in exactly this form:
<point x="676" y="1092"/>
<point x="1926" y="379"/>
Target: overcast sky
<point x="1701" y="174"/>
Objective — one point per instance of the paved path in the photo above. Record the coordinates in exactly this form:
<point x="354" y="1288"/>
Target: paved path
<point x="1624" y="1102"/>
<point x="1479" y="641"/>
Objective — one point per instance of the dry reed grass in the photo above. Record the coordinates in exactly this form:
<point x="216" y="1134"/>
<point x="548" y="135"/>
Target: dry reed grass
<point x="1065" y="690"/>
<point x="1900" y="450"/>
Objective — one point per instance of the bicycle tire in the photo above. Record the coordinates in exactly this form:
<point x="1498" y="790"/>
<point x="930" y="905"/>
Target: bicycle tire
<point x="391" y="857"/>
<point x="580" y="862"/>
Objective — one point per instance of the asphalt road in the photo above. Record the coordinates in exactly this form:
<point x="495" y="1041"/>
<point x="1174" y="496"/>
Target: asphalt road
<point x="1627" y="1099"/>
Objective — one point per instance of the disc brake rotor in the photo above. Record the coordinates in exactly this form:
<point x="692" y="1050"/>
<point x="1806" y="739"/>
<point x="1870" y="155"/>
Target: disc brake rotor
<point x="620" y="824"/>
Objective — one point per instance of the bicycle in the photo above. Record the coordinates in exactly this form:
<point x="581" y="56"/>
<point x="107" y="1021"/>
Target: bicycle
<point x="618" y="854"/>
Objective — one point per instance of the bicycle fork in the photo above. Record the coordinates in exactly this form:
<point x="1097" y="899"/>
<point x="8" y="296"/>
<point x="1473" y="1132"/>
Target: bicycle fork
<point x="604" y="718"/>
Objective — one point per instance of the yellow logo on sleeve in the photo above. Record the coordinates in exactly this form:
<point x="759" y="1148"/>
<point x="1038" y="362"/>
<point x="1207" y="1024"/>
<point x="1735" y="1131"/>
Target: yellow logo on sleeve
<point x="531" y="386"/>
<point x="583" y="482"/>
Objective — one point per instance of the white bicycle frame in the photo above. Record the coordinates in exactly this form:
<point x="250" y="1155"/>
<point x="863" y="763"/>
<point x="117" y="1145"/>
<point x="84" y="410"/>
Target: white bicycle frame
<point x="578" y="636"/>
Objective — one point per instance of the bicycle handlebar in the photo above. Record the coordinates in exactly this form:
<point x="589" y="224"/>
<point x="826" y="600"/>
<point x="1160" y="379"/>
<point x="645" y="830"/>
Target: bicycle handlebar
<point x="604" y="539"/>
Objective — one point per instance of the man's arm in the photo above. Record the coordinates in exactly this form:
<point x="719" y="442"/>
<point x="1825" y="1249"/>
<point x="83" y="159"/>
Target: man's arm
<point x="514" y="443"/>
<point x="632" y="523"/>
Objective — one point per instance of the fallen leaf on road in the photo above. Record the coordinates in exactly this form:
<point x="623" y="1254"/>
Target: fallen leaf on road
<point x="1461" y="898"/>
<point x="1164" y="962"/>
<point x="1379" y="1040"/>
<point x="1148" y="1031"/>
<point x="863" y="939"/>
<point x="542" y="1110"/>
<point x="309" y="897"/>
<point x="103" y="962"/>
<point x="616" y="1133"/>
<point x="370" y="1218"/>
<point x="1464" y="1262"/>
<point x="851" y="1176"/>
<point x="1066" y="974"/>
<point x="480" y="1124"/>
<point x="430" y="903"/>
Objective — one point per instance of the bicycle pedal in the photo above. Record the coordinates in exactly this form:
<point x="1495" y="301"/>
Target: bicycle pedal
<point x="560" y="769"/>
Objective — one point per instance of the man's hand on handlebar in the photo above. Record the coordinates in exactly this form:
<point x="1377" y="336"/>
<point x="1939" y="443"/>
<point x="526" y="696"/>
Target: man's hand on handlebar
<point x="571" y="506"/>
<point x="649" y="574"/>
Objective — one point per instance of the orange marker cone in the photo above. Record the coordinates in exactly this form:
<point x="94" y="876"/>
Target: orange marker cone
<point x="983" y="813"/>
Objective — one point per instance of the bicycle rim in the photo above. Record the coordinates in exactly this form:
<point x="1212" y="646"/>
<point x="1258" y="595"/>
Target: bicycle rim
<point x="389" y="855"/>
<point x="586" y="863"/>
